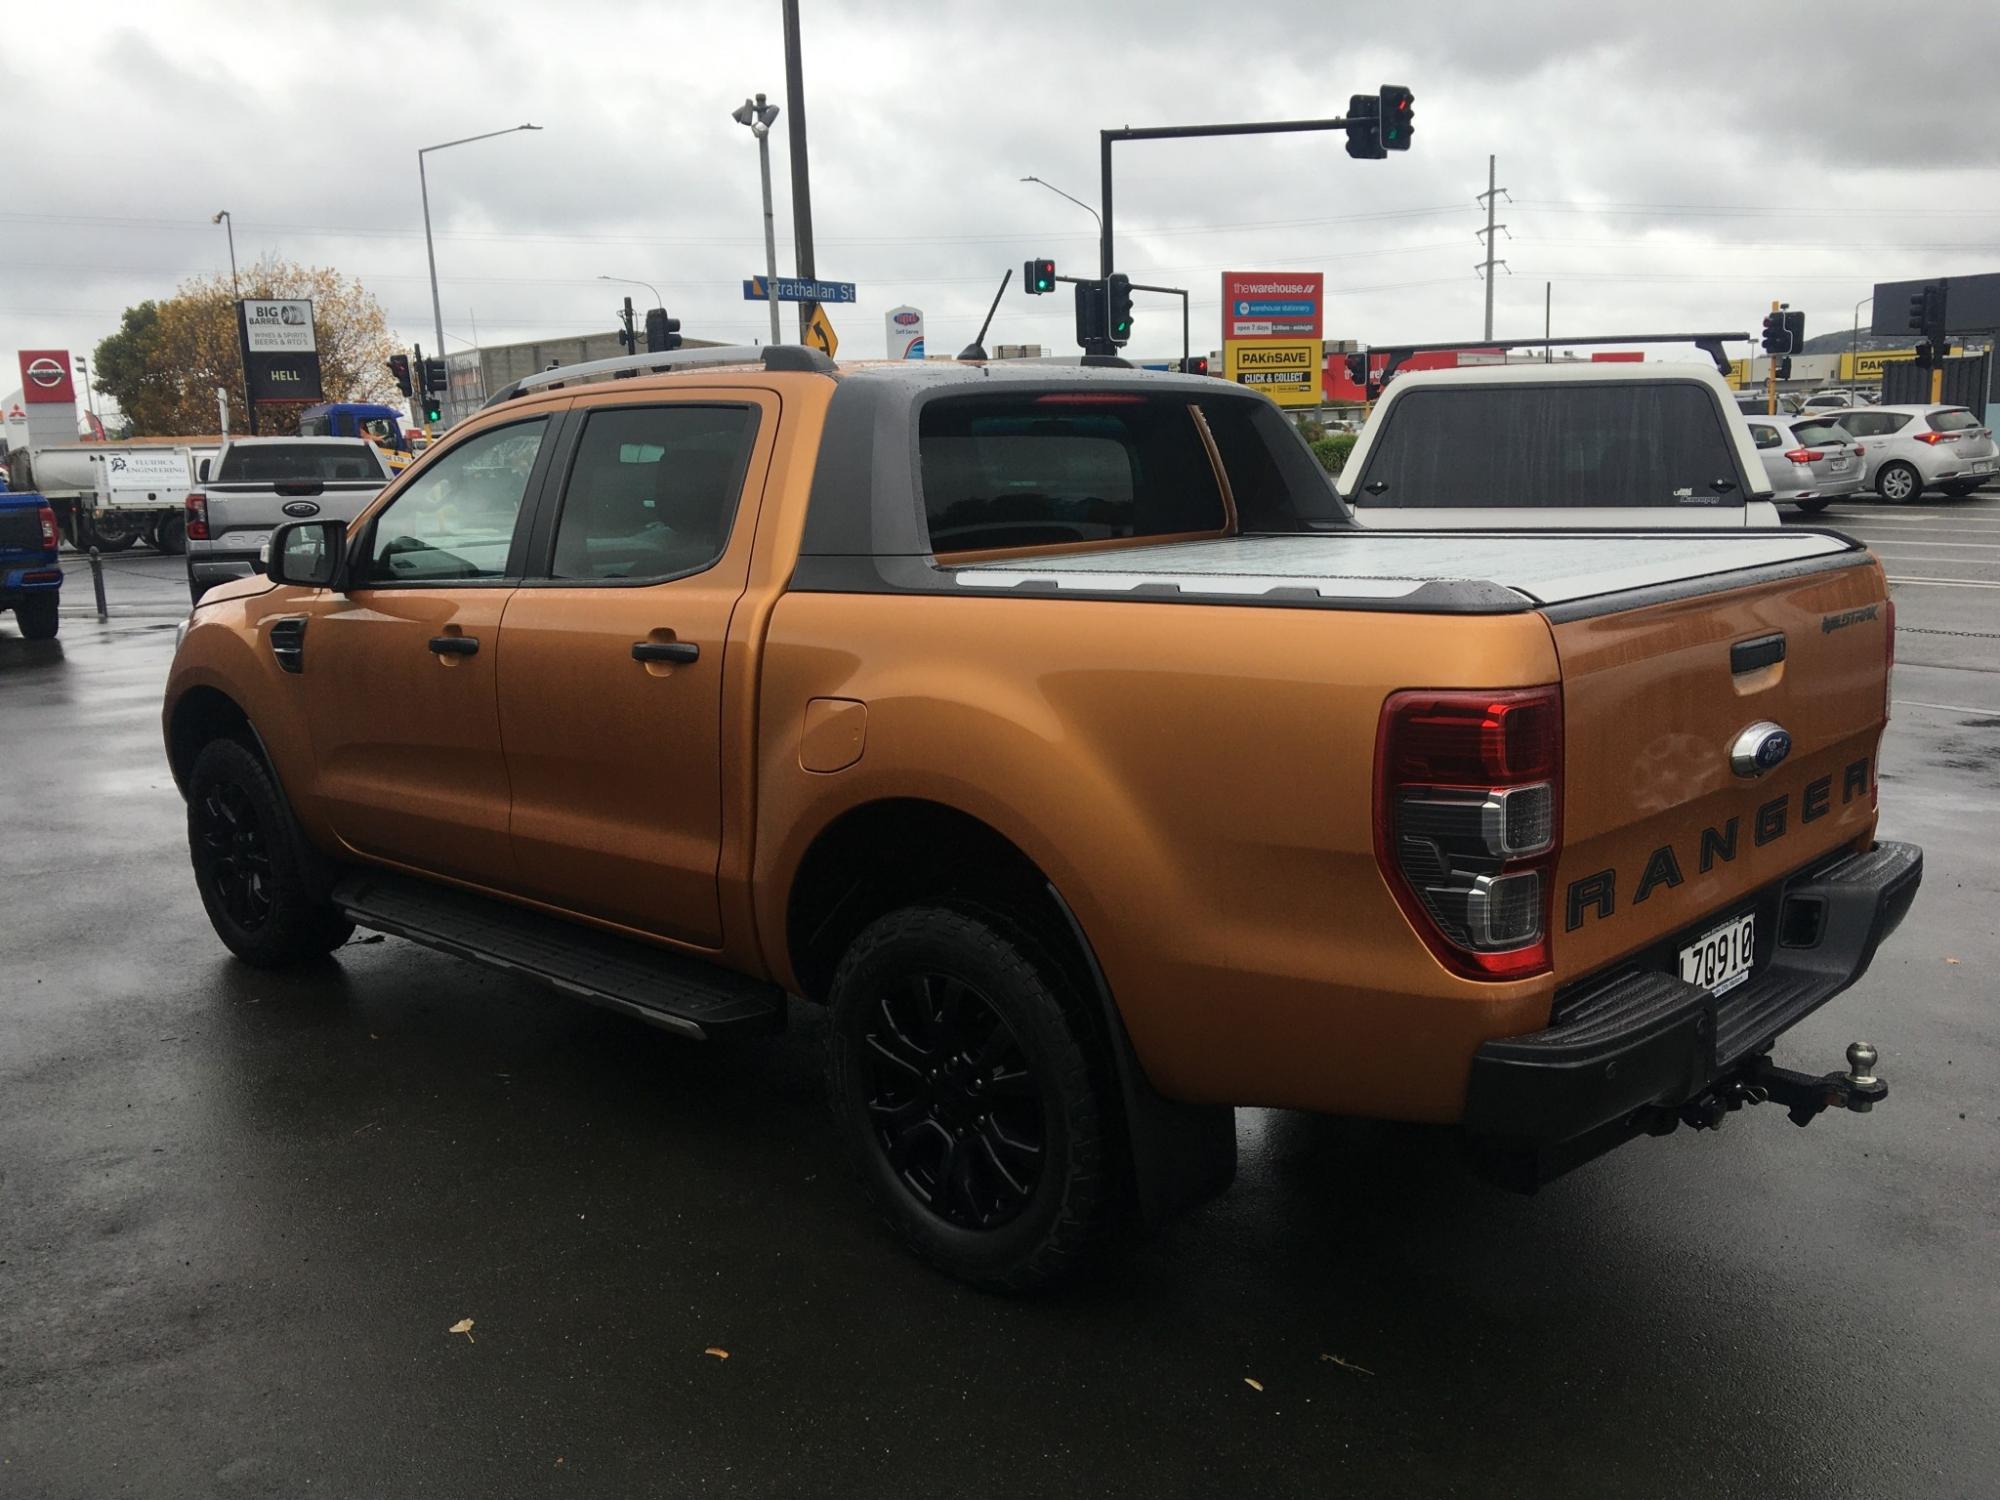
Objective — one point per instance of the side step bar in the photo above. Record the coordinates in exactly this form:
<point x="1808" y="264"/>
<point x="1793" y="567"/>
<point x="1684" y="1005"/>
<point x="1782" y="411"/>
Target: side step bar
<point x="683" y="995"/>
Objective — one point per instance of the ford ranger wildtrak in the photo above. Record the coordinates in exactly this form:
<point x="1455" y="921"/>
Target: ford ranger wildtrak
<point x="1060" y="733"/>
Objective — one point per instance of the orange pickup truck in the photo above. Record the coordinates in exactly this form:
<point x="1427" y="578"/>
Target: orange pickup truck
<point x="1058" y="731"/>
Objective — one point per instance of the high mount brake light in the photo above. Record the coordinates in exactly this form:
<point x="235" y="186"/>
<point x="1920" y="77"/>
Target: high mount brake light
<point x="1468" y="822"/>
<point x="1091" y="398"/>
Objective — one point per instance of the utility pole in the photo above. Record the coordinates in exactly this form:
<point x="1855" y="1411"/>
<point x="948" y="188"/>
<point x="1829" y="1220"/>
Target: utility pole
<point x="802" y="213"/>
<point x="627" y="339"/>
<point x="1490" y="197"/>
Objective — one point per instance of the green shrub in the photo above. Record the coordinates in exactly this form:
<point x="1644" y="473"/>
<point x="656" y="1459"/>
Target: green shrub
<point x="1332" y="450"/>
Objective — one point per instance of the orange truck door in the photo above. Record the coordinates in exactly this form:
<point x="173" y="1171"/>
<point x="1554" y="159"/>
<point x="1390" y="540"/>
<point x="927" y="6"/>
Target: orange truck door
<point x="610" y="682"/>
<point x="405" y="724"/>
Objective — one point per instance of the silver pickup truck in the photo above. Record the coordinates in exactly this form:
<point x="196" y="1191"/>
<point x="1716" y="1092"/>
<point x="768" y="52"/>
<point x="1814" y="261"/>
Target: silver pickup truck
<point x="255" y="484"/>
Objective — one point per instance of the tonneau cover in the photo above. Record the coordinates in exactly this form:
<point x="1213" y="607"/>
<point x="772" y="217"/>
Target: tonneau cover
<point x="1541" y="568"/>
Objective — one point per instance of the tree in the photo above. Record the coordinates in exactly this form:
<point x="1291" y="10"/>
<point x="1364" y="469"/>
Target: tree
<point x="163" y="365"/>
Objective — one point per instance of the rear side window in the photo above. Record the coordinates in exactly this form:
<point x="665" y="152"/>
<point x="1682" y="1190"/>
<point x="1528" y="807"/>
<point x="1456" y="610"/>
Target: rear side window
<point x="1763" y="435"/>
<point x="653" y="491"/>
<point x="1955" y="420"/>
<point x="1544" y="446"/>
<point x="258" y="463"/>
<point x="1057" y="469"/>
<point x="1820" y="432"/>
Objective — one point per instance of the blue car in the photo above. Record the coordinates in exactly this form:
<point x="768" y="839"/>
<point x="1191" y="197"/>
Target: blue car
<point x="30" y="576"/>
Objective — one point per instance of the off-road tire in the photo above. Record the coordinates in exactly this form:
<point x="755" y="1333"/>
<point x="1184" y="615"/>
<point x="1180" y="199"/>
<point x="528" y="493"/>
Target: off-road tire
<point x="170" y="537"/>
<point x="112" y="540"/>
<point x="1899" y="483"/>
<point x="38" y="617"/>
<point x="1070" y="1206"/>
<point x="252" y="866"/>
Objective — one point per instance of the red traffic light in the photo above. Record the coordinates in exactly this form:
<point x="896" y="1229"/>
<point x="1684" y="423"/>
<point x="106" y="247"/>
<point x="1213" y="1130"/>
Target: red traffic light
<point x="1397" y="116"/>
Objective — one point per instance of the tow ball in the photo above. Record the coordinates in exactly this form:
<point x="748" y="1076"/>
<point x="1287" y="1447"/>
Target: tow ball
<point x="1803" y="1095"/>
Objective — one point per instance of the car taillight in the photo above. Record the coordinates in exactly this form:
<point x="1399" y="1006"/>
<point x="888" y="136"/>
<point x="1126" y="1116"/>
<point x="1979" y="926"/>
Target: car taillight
<point x="1934" y="438"/>
<point x="197" y="518"/>
<point x="51" y="538"/>
<point x="1805" y="455"/>
<point x="1860" y="451"/>
<point x="1468" y="822"/>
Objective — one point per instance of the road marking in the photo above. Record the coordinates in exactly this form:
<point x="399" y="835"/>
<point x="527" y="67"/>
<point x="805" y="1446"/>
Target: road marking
<point x="1956" y="546"/>
<point x="1950" y="708"/>
<point x="1950" y="583"/>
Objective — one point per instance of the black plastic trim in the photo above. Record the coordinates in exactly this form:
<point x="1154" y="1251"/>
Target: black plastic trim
<point x="1641" y="1038"/>
<point x="1706" y="583"/>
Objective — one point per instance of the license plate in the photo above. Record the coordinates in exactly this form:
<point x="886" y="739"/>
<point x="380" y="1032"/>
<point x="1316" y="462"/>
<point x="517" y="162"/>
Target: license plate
<point x="1719" y="960"/>
<point x="1839" y="463"/>
<point x="1984" y="466"/>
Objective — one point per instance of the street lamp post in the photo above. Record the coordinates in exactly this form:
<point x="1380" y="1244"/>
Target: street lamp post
<point x="1077" y="201"/>
<point x="760" y="117"/>
<point x="228" y="223"/>
<point x="430" y="250"/>
<point x="1854" y="343"/>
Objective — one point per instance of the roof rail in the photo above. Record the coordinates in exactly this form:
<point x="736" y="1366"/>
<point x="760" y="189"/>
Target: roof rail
<point x="792" y="357"/>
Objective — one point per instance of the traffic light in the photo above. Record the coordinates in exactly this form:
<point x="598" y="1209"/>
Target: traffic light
<point x="663" y="333"/>
<point x="1039" y="277"/>
<point x="1121" y="307"/>
<point x="1785" y="367"/>
<point x="399" y="366"/>
<point x="1364" y="126"/>
<point x="1396" y="118"/>
<point x="1920" y="309"/>
<point x="1195" y="364"/>
<point x="1776" y="339"/>
<point x="1795" y="332"/>
<point x="1357" y="369"/>
<point x="1090" y="313"/>
<point x="431" y="374"/>
<point x="1924" y="358"/>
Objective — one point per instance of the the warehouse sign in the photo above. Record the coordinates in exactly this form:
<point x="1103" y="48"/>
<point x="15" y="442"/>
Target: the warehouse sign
<point x="1286" y="370"/>
<point x="280" y="349"/>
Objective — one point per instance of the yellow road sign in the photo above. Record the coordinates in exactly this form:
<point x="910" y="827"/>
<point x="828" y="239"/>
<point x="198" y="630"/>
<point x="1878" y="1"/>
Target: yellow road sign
<point x="1286" y="370"/>
<point x="820" y="334"/>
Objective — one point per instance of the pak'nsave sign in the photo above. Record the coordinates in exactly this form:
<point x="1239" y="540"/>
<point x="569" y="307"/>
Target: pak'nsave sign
<point x="1271" y="332"/>
<point x="280" y="349"/>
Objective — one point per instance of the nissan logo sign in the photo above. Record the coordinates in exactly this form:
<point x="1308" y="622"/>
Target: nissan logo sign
<point x="46" y="373"/>
<point x="300" y="509"/>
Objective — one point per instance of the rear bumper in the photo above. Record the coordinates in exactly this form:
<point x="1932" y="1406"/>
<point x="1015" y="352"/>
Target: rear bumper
<point x="207" y="569"/>
<point x="1830" y="489"/>
<point x="1645" y="1040"/>
<point x="31" y="578"/>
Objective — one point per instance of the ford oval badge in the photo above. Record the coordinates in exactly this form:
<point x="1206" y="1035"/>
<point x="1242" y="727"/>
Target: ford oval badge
<point x="298" y="510"/>
<point x="1760" y="748"/>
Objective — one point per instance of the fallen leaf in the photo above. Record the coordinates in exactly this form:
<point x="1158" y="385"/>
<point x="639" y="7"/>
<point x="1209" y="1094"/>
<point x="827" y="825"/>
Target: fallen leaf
<point x="717" y="1353"/>
<point x="1347" y="1364"/>
<point x="1951" y="960"/>
<point x="464" y="1326"/>
<point x="1255" y="1385"/>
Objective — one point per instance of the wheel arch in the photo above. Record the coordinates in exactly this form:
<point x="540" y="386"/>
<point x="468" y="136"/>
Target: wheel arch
<point x="202" y="714"/>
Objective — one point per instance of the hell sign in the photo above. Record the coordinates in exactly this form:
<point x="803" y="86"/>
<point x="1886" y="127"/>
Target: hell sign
<point x="280" y="349"/>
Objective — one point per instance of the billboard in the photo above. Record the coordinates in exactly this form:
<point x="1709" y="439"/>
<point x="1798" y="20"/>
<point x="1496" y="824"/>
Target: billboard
<point x="1271" y="320"/>
<point x="1971" y="305"/>
<point x="905" y="327"/>
<point x="280" y="349"/>
<point x="46" y="377"/>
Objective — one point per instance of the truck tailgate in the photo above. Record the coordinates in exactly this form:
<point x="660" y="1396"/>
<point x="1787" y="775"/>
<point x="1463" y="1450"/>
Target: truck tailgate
<point x="1662" y="838"/>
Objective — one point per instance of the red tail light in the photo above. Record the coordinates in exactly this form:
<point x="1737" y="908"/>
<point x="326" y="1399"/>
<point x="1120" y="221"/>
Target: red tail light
<point x="51" y="538"/>
<point x="1468" y="822"/>
<point x="197" y="518"/>
<point x="1934" y="438"/>
<point x="1859" y="450"/>
<point x="1805" y="455"/>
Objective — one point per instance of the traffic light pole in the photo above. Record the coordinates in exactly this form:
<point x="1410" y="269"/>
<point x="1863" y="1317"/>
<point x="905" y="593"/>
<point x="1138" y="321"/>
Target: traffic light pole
<point x="1173" y="291"/>
<point x="1106" y="139"/>
<point x="1771" y="374"/>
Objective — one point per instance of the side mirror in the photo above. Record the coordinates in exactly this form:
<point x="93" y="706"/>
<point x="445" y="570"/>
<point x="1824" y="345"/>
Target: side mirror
<point x="312" y="554"/>
<point x="201" y="472"/>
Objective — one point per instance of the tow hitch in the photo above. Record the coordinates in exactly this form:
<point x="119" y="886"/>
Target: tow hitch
<point x="1803" y="1095"/>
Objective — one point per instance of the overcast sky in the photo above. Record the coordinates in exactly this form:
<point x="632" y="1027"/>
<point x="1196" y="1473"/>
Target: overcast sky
<point x="1672" y="166"/>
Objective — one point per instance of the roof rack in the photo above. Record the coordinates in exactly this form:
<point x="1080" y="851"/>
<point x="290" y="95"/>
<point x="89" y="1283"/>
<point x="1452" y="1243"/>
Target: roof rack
<point x="793" y="357"/>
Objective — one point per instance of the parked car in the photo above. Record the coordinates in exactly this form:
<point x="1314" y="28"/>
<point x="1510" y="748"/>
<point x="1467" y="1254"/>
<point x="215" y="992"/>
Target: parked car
<point x="254" y="484"/>
<point x="1915" y="448"/>
<point x="1809" y="459"/>
<point x="1562" y="447"/>
<point x="31" y="574"/>
<point x="1061" y="734"/>
<point x="1830" y="401"/>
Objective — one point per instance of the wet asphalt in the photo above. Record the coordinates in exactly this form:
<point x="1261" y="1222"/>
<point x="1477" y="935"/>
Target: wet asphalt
<point x="239" y="1213"/>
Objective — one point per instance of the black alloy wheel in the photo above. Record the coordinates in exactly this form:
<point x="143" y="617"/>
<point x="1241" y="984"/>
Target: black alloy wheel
<point x="954" y="1106"/>
<point x="233" y="855"/>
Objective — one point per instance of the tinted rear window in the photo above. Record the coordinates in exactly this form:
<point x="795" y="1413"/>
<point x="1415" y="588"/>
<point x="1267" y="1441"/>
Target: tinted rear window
<point x="1820" y="432"/>
<point x="259" y="464"/>
<point x="1952" y="421"/>
<point x="1056" y="469"/>
<point x="1552" y="445"/>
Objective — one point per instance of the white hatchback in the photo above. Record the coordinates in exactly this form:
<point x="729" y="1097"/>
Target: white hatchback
<point x="1915" y="448"/>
